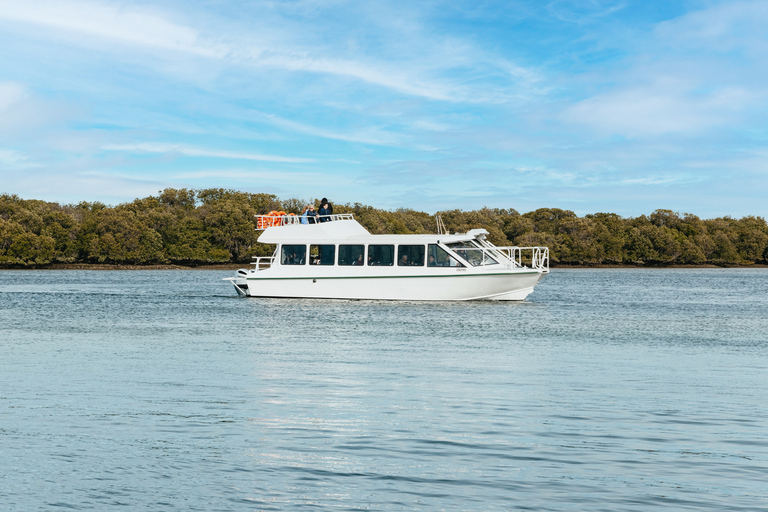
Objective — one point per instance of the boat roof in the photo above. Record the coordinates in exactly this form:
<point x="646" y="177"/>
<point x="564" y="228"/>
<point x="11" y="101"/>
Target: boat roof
<point x="349" y="230"/>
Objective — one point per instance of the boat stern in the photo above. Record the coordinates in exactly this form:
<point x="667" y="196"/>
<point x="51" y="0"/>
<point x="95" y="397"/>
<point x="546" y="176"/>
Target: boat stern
<point x="239" y="282"/>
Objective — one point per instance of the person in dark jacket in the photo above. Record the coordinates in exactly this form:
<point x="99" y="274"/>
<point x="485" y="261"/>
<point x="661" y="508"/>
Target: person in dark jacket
<point x="325" y="211"/>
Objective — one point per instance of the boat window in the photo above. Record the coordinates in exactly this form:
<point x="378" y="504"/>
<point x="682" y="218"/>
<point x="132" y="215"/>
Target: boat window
<point x="439" y="257"/>
<point x="351" y="254"/>
<point x="321" y="254"/>
<point x="293" y="254"/>
<point x="381" y="255"/>
<point x="410" y="255"/>
<point x="475" y="255"/>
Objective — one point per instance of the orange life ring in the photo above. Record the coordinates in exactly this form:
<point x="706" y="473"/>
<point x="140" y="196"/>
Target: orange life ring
<point x="271" y="219"/>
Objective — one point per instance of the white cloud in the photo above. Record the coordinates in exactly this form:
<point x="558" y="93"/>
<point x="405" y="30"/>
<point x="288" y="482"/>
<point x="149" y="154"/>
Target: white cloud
<point x="107" y="21"/>
<point x="13" y="160"/>
<point x="720" y="28"/>
<point x="700" y="73"/>
<point x="659" y="109"/>
<point x="11" y="94"/>
<point x="186" y="150"/>
<point x="22" y="111"/>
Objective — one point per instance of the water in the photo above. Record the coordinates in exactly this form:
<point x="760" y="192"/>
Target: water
<point x="615" y="390"/>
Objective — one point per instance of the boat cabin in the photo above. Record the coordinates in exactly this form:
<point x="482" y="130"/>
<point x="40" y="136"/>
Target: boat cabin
<point x="343" y="242"/>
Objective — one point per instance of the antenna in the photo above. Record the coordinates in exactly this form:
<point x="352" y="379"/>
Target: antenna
<point x="440" y="225"/>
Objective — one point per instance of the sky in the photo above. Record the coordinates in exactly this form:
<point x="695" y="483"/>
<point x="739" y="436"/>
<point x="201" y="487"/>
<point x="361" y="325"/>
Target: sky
<point x="592" y="105"/>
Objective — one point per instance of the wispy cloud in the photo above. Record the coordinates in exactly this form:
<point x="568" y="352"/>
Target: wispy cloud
<point x="22" y="111"/>
<point x="13" y="160"/>
<point x="561" y="102"/>
<point x="185" y="150"/>
<point x="382" y="75"/>
<point x="649" y="180"/>
<point x="11" y="93"/>
<point x="660" y="108"/>
<point x="719" y="29"/>
<point x="691" y="75"/>
<point x="365" y="136"/>
<point x="118" y="22"/>
<point x="251" y="175"/>
<point x="582" y="11"/>
<point x="434" y="73"/>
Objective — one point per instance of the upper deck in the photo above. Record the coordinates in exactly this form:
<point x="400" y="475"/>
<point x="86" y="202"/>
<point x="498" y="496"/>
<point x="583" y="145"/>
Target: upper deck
<point x="343" y="228"/>
<point x="470" y="249"/>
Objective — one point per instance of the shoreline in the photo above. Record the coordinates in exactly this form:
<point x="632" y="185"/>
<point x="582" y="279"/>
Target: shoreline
<point x="235" y="266"/>
<point x="109" y="266"/>
<point x="677" y="267"/>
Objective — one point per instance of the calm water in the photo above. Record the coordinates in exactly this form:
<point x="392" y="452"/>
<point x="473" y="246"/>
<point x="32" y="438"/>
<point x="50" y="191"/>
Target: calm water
<point x="607" y="390"/>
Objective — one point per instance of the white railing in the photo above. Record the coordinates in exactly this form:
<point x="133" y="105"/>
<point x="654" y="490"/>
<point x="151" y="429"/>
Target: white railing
<point x="263" y="262"/>
<point x="273" y="219"/>
<point x="536" y="258"/>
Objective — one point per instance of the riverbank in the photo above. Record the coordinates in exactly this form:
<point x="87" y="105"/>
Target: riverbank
<point x="216" y="225"/>
<point x="585" y="267"/>
<point x="101" y="266"/>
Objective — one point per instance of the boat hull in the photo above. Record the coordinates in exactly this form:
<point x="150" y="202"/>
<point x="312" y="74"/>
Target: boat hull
<point x="511" y="285"/>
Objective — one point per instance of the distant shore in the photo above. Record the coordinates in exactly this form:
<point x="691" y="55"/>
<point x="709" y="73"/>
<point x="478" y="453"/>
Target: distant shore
<point x="587" y="267"/>
<point x="105" y="266"/>
<point x="216" y="225"/>
<point x="235" y="266"/>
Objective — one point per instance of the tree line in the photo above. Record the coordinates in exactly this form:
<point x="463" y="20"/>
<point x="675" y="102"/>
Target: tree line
<point x="199" y="227"/>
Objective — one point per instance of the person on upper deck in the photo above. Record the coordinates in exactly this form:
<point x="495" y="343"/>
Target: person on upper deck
<point x="309" y="215"/>
<point x="326" y="210"/>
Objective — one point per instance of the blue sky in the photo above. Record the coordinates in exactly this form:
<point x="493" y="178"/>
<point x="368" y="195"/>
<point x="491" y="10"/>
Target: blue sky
<point x="592" y="105"/>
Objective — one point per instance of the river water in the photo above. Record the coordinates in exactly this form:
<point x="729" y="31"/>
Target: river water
<point x="615" y="390"/>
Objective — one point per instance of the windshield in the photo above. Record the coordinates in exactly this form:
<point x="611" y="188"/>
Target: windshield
<point x="474" y="254"/>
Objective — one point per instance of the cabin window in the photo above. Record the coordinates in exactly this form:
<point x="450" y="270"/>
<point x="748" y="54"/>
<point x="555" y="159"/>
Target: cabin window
<point x="476" y="256"/>
<point x="322" y="254"/>
<point x="439" y="257"/>
<point x="351" y="254"/>
<point x="410" y="255"/>
<point x="293" y="254"/>
<point x="381" y="255"/>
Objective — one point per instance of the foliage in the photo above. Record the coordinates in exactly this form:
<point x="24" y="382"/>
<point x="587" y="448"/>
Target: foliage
<point x="197" y="227"/>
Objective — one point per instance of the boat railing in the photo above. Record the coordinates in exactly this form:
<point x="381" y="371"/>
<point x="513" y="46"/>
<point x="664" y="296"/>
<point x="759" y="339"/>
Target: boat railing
<point x="532" y="257"/>
<point x="285" y="219"/>
<point x="536" y="258"/>
<point x="262" y="262"/>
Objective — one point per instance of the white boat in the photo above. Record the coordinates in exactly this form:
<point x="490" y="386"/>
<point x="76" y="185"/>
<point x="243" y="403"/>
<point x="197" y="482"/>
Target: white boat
<point x="340" y="259"/>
